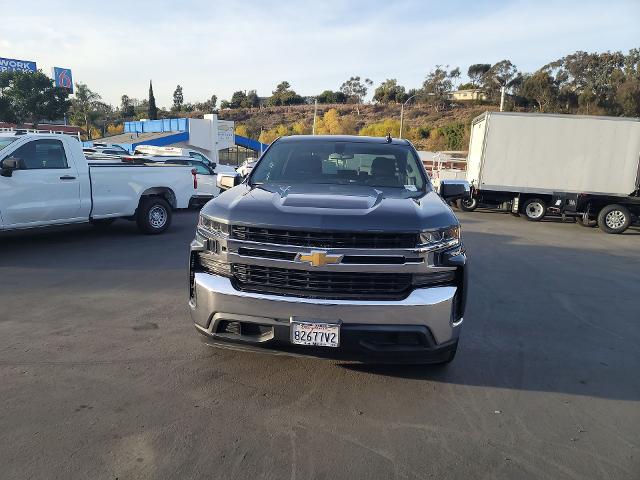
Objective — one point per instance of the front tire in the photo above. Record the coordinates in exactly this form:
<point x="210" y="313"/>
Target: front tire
<point x="467" y="204"/>
<point x="535" y="209"/>
<point x="614" y="219"/>
<point x="153" y="215"/>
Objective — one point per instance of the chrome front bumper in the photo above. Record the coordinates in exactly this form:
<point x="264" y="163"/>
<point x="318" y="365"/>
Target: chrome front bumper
<point x="215" y="300"/>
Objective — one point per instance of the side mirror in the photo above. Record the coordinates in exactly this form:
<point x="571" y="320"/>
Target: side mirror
<point x="454" y="189"/>
<point x="226" y="181"/>
<point x="8" y="165"/>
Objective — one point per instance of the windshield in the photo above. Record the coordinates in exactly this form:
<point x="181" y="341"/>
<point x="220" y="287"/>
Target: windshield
<point x="4" y="141"/>
<point x="330" y="162"/>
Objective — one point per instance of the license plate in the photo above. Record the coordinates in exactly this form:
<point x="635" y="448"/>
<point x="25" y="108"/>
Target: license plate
<point x="315" y="334"/>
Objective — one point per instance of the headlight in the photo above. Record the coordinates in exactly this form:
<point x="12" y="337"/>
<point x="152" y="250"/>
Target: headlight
<point x="440" y="239"/>
<point x="212" y="226"/>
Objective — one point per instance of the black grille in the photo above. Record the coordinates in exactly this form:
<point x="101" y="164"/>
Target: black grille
<point x="321" y="284"/>
<point x="325" y="239"/>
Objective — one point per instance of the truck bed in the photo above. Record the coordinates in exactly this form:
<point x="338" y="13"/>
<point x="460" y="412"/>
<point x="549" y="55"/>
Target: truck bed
<point x="114" y="184"/>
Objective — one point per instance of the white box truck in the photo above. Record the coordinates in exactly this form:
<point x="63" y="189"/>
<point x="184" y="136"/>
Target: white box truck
<point x="581" y="166"/>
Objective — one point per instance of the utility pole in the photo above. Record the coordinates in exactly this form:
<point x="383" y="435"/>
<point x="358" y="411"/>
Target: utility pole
<point x="502" y="91"/>
<point x="402" y="113"/>
<point x="315" y="114"/>
<point x="402" y="109"/>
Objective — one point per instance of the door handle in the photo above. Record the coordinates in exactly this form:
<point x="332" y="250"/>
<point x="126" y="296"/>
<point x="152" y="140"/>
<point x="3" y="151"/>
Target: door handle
<point x="67" y="177"/>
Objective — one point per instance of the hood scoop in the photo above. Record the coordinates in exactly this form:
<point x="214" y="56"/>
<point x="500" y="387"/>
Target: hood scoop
<point x="346" y="202"/>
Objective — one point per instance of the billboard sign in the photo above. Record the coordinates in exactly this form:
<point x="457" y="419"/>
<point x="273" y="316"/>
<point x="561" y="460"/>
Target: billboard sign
<point x="226" y="137"/>
<point x="63" y="78"/>
<point x="13" y="65"/>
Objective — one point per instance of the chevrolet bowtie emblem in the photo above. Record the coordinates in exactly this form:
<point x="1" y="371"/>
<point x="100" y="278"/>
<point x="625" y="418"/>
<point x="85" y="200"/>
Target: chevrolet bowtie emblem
<point x="318" y="259"/>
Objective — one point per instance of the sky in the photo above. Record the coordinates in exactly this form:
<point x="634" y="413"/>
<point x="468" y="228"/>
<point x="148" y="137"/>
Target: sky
<point x="214" y="47"/>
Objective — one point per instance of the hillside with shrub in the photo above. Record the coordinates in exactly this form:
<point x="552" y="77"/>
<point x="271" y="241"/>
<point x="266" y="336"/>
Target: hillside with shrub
<point x="426" y="127"/>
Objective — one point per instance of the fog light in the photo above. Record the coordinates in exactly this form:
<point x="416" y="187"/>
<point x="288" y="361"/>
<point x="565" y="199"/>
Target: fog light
<point x="434" y="279"/>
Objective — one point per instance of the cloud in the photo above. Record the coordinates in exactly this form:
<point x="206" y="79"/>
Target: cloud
<point x="214" y="47"/>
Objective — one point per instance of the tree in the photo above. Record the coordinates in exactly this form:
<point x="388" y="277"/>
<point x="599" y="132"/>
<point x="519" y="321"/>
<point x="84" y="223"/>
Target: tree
<point x="252" y="99"/>
<point x="502" y="74"/>
<point x="329" y="96"/>
<point x="178" y="99"/>
<point x="592" y="79"/>
<point x="438" y="84"/>
<point x="208" y="106"/>
<point x="541" y="89"/>
<point x="300" y="128"/>
<point x="331" y="123"/>
<point x="476" y="72"/>
<point x="628" y="96"/>
<point x="390" y="92"/>
<point x="238" y="99"/>
<point x="241" y="130"/>
<point x="381" y="129"/>
<point x="355" y="90"/>
<point x="284" y="95"/>
<point x="127" y="108"/>
<point x="31" y="97"/>
<point x="153" y="109"/>
<point x="84" y="107"/>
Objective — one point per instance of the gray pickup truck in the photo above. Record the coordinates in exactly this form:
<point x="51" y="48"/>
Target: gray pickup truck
<point x="333" y="246"/>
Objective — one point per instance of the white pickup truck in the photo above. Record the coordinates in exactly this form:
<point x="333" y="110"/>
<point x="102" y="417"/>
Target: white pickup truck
<point x="46" y="180"/>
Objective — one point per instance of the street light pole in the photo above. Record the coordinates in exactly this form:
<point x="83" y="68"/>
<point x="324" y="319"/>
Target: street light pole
<point x="315" y="113"/>
<point x="402" y="112"/>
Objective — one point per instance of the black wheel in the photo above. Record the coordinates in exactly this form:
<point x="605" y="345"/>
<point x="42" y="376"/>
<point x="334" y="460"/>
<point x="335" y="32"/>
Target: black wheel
<point x="614" y="218"/>
<point x="153" y="215"/>
<point x="102" y="222"/>
<point x="534" y="209"/>
<point x="467" y="204"/>
<point x="585" y="221"/>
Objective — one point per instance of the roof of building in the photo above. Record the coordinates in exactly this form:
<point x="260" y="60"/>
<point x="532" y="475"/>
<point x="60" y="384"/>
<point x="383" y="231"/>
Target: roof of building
<point x="133" y="138"/>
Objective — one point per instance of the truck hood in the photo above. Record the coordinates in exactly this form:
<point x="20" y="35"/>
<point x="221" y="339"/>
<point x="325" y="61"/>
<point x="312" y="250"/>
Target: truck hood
<point x="330" y="207"/>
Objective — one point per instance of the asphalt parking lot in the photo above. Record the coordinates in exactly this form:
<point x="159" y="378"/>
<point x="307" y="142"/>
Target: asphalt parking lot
<point x="102" y="374"/>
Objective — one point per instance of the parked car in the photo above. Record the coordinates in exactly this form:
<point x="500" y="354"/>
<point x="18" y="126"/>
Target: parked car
<point x="104" y="151"/>
<point x="336" y="246"/>
<point x="206" y="184"/>
<point x="246" y="167"/>
<point x="180" y="152"/>
<point x="46" y="180"/>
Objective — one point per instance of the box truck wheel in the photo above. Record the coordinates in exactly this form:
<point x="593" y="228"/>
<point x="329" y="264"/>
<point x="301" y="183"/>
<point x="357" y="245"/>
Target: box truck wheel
<point x="468" y="204"/>
<point x="614" y="218"/>
<point x="153" y="215"/>
<point x="535" y="209"/>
